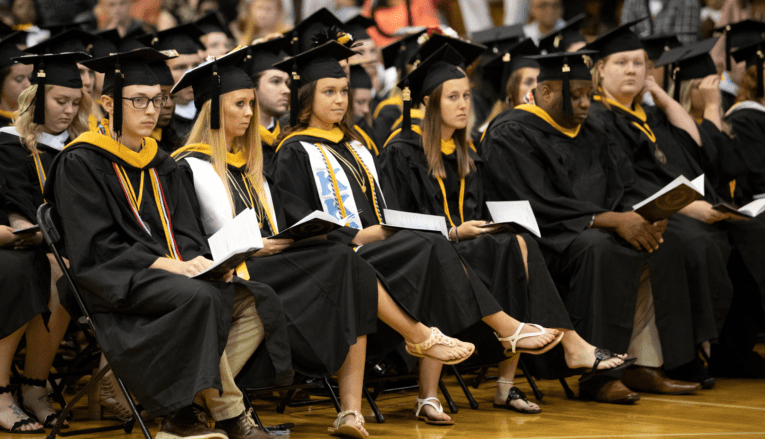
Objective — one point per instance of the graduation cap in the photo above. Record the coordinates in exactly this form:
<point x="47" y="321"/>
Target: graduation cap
<point x="263" y="56"/>
<point x="435" y="42"/>
<point x="18" y="36"/>
<point x="497" y="70"/>
<point x="213" y="22"/>
<point x="122" y="70"/>
<point x="499" y="39"/>
<point x="754" y="55"/>
<point x="743" y="33"/>
<point x="565" y="67"/>
<point x="57" y="28"/>
<point x="689" y="62"/>
<point x="52" y="69"/>
<point x="131" y="41"/>
<point x="71" y="40"/>
<point x="357" y="26"/>
<point x="621" y="39"/>
<point x="107" y="42"/>
<point x="656" y="45"/>
<point x="397" y="53"/>
<point x="213" y="79"/>
<point x="560" y="39"/>
<point x="163" y="73"/>
<point x="441" y="66"/>
<point x="303" y="33"/>
<point x="9" y="50"/>
<point x="184" y="39"/>
<point x="5" y="30"/>
<point x="360" y="78"/>
<point x="312" y="65"/>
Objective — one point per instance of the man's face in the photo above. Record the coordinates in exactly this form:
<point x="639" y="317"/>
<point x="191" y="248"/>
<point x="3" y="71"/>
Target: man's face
<point x="137" y="122"/>
<point x="552" y="101"/>
<point x="368" y="56"/>
<point x="166" y="113"/>
<point x="273" y="92"/>
<point x="216" y="44"/>
<point x="116" y="11"/>
<point x="546" y="12"/>
<point x="179" y="66"/>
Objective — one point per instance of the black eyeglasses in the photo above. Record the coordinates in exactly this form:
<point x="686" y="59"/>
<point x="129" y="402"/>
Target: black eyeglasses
<point x="141" y="103"/>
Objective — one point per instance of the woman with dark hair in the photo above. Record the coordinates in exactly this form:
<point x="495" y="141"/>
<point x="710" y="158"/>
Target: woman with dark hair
<point x="14" y="78"/>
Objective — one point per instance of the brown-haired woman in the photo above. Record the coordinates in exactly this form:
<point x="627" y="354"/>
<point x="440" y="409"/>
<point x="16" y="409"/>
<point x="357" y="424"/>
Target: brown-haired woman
<point x="14" y="79"/>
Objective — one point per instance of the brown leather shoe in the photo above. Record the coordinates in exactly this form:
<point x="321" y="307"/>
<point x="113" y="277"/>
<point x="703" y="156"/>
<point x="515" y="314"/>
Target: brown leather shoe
<point x="608" y="390"/>
<point x="241" y="427"/>
<point x="654" y="380"/>
<point x="188" y="423"/>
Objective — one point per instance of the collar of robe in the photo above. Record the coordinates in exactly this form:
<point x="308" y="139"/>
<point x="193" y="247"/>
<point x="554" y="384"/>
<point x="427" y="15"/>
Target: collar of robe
<point x="638" y="113"/>
<point x="6" y="114"/>
<point x="448" y="147"/>
<point x="269" y="137"/>
<point x="542" y="114"/>
<point x="236" y="159"/>
<point x="393" y="100"/>
<point x="335" y="135"/>
<point x="746" y="105"/>
<point x="415" y="114"/>
<point x="415" y="128"/>
<point x="156" y="134"/>
<point x="139" y="160"/>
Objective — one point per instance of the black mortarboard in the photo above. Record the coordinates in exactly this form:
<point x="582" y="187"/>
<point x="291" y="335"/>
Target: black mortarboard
<point x="18" y="36"/>
<point x="497" y="70"/>
<point x="131" y="41"/>
<point x="320" y="62"/>
<point x="107" y="43"/>
<point x="184" y="39"/>
<point x="162" y="72"/>
<point x="213" y="22"/>
<point x="689" y="62"/>
<point x="621" y="39"/>
<point x="500" y="38"/>
<point x="656" y="45"/>
<point x="52" y="69"/>
<point x="741" y="34"/>
<point x="124" y="69"/>
<point x="213" y="79"/>
<point x="57" y="28"/>
<point x="397" y="53"/>
<point x="5" y="30"/>
<point x="468" y="51"/>
<point x="357" y="26"/>
<point x="71" y="40"/>
<point x="360" y="78"/>
<point x="441" y="66"/>
<point x="9" y="50"/>
<point x="560" y="39"/>
<point x="754" y="55"/>
<point x="301" y="37"/>
<point x="565" y="67"/>
<point x="263" y="56"/>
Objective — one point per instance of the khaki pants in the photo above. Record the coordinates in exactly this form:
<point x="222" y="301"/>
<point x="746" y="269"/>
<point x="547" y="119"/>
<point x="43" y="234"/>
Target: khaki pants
<point x="645" y="343"/>
<point x="244" y="338"/>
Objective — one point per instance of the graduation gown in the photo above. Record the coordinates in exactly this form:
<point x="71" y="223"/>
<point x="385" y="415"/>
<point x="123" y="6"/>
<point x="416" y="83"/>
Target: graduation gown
<point x="367" y="134"/>
<point x="568" y="176"/>
<point x="329" y="294"/>
<point x="267" y="140"/>
<point x="747" y="121"/>
<point x="167" y="138"/>
<point x="24" y="280"/>
<point x="723" y="164"/>
<point x="181" y="126"/>
<point x="163" y="333"/>
<point x="421" y="269"/>
<point x="384" y="116"/>
<point x="6" y="118"/>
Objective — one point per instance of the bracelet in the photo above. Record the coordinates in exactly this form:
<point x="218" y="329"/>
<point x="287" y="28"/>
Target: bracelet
<point x="456" y="233"/>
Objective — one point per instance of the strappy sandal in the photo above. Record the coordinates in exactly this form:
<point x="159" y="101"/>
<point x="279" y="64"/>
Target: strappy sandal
<point x="16" y="427"/>
<point x="38" y="402"/>
<point x="436" y="338"/>
<point x="352" y="430"/>
<point x="516" y="394"/>
<point x="604" y="355"/>
<point x="425" y="418"/>
<point x="513" y="339"/>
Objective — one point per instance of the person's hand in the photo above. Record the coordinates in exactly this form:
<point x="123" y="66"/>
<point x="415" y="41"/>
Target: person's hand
<point x="7" y="238"/>
<point x="709" y="88"/>
<point x="185" y="268"/>
<point x="472" y="229"/>
<point x="273" y="246"/>
<point x="640" y="233"/>
<point x="28" y="240"/>
<point x="703" y="211"/>
<point x="651" y="86"/>
<point x="372" y="234"/>
<point x="228" y="277"/>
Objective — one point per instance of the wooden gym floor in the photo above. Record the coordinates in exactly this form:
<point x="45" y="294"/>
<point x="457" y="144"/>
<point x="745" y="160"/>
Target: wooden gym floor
<point x="735" y="407"/>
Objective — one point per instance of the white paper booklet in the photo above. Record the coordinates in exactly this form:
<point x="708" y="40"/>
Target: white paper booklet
<point x="517" y="214"/>
<point x="233" y="244"/>
<point x="415" y="221"/>
<point x="316" y="223"/>
<point x="671" y="198"/>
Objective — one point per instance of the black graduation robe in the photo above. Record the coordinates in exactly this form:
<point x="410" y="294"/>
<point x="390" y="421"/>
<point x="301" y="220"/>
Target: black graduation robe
<point x="568" y="176"/>
<point x="6" y="118"/>
<point x="367" y="134"/>
<point x="748" y="130"/>
<point x="424" y="273"/>
<point x="24" y="280"/>
<point x="163" y="333"/>
<point x="181" y="126"/>
<point x="167" y="138"/>
<point x="267" y="140"/>
<point x="329" y="294"/>
<point x="384" y="116"/>
<point x="723" y="164"/>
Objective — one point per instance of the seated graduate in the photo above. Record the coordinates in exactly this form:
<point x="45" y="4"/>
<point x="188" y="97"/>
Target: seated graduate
<point x="369" y="57"/>
<point x="436" y="173"/>
<point x="272" y="89"/>
<point x="574" y="180"/>
<point x="320" y="161"/>
<point x="361" y="95"/>
<point x="164" y="133"/>
<point x="14" y="79"/>
<point x="664" y="142"/>
<point x="322" y="283"/>
<point x="134" y="244"/>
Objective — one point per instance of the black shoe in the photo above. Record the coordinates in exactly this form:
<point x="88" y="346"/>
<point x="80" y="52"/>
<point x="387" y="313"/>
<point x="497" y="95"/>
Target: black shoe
<point x="693" y="372"/>
<point x="724" y="363"/>
<point x="188" y="423"/>
<point x="241" y="427"/>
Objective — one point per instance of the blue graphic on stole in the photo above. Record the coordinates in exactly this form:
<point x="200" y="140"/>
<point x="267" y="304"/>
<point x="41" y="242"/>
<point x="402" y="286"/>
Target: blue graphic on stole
<point x="328" y="196"/>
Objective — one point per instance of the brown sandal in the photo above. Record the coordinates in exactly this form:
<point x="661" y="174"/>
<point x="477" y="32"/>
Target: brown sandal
<point x="352" y="430"/>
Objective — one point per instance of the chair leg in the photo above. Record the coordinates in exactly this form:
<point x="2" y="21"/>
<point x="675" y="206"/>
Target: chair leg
<point x="332" y="395"/>
<point x="376" y="410"/>
<point x="537" y="393"/>
<point x="285" y="401"/>
<point x="136" y="413"/>
<point x="449" y="401"/>
<point x="471" y="401"/>
<point x="567" y="389"/>
<point x="481" y="375"/>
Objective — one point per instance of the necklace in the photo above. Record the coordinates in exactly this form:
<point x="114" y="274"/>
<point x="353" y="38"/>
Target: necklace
<point x="357" y="173"/>
<point x="248" y="201"/>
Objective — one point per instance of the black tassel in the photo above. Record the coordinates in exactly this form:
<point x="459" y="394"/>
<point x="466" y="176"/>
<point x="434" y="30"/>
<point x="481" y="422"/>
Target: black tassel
<point x="39" y="114"/>
<point x="215" y="101"/>
<point x="667" y="68"/>
<point x="117" y="122"/>
<point x="727" y="48"/>
<point x="294" y="87"/>
<point x="568" y="110"/>
<point x="760" y="88"/>
<point x="406" y="123"/>
<point x="676" y="94"/>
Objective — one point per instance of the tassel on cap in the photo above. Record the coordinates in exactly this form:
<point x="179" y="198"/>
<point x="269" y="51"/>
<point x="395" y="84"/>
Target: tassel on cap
<point x="676" y="94"/>
<point x="667" y="68"/>
<point x="760" y="88"/>
<point x="117" y="122"/>
<point x="406" y="123"/>
<point x="39" y="114"/>
<point x="727" y="49"/>
<point x="215" y="100"/>
<point x="566" y="70"/>
<point x="294" y="86"/>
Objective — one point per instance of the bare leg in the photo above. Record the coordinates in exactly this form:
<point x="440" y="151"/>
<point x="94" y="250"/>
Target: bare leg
<point x="579" y="353"/>
<point x="430" y="373"/>
<point x="506" y="326"/>
<point x="524" y="253"/>
<point x="10" y="413"/>
<point x="350" y="379"/>
<point x="505" y="383"/>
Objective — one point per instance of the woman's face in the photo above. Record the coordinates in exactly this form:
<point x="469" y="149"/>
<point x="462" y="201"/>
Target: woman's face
<point x="330" y="101"/>
<point x="88" y="78"/>
<point x="216" y="44"/>
<point x="16" y="82"/>
<point x="24" y="11"/>
<point x="623" y="74"/>
<point x="455" y="103"/>
<point x="61" y="106"/>
<point x="527" y="83"/>
<point x="265" y="13"/>
<point x="238" y="108"/>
